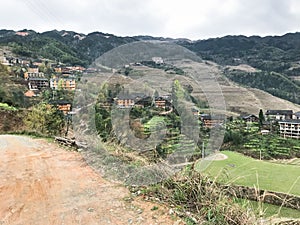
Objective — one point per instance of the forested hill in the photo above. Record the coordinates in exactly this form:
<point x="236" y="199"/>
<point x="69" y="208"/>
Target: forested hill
<point x="64" y="46"/>
<point x="276" y="58"/>
<point x="271" y="53"/>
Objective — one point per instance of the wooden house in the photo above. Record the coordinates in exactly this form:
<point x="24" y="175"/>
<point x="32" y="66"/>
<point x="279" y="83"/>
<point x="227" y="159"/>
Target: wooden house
<point x="250" y="118"/>
<point x="210" y="121"/>
<point x="279" y="114"/>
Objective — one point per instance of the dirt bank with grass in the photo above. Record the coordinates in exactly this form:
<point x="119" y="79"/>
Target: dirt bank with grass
<point x="42" y="183"/>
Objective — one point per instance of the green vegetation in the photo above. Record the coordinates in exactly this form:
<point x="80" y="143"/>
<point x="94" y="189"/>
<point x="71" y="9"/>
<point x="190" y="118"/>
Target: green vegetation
<point x="62" y="46"/>
<point x="165" y="67"/>
<point x="272" y="82"/>
<point x="11" y="89"/>
<point x="199" y="200"/>
<point x="45" y="119"/>
<point x="276" y="57"/>
<point x="5" y="106"/>
<point x="271" y="146"/>
<point x="243" y="170"/>
<point x="145" y="120"/>
<point x="247" y="139"/>
<point x="38" y="46"/>
<point x="269" y="210"/>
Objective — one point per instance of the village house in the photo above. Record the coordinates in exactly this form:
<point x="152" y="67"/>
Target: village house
<point x="30" y="94"/>
<point x="143" y="101"/>
<point x="210" y="121"/>
<point x="9" y="61"/>
<point x="64" y="106"/>
<point x="37" y="63"/>
<point x="37" y="83"/>
<point x="264" y="132"/>
<point x="5" y="61"/>
<point x="28" y="75"/>
<point x="290" y="128"/>
<point x="58" y="69"/>
<point x="296" y="115"/>
<point x="279" y="114"/>
<point x="76" y="68"/>
<point x="91" y="70"/>
<point x="22" y="33"/>
<point x="125" y="102"/>
<point x="158" y="60"/>
<point x="160" y="102"/>
<point x="63" y="83"/>
<point x="33" y="69"/>
<point x="250" y="118"/>
<point x="25" y="62"/>
<point x="195" y="112"/>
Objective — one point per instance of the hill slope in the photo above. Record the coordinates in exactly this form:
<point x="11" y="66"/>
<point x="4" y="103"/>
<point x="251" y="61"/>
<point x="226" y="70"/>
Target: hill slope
<point x="274" y="59"/>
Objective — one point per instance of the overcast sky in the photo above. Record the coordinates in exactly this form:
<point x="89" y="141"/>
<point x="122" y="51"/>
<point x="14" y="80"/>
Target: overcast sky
<point x="193" y="19"/>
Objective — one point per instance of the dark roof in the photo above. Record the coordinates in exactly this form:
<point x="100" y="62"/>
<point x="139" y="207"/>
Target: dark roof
<point x="37" y="78"/>
<point x="160" y="99"/>
<point x="249" y="116"/>
<point x="290" y="121"/>
<point x="212" y="117"/>
<point x="297" y="113"/>
<point x="60" y="102"/>
<point x="279" y="112"/>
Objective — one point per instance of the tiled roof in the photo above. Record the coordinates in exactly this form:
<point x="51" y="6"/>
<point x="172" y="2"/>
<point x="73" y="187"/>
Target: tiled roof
<point x="279" y="112"/>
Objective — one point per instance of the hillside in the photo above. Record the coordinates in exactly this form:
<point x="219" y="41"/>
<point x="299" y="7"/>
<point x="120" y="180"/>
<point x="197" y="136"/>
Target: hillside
<point x="11" y="88"/>
<point x="239" y="100"/>
<point x="274" y="59"/>
<point x="63" y="46"/>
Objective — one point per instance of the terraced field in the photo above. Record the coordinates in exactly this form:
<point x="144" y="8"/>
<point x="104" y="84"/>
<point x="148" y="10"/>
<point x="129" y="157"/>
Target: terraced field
<point x="242" y="170"/>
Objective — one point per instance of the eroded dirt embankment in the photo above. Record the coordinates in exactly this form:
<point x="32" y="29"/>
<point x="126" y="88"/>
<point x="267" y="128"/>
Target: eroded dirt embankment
<point x="44" y="184"/>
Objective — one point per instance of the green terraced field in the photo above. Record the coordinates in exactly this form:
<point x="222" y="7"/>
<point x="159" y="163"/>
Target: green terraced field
<point x="242" y="170"/>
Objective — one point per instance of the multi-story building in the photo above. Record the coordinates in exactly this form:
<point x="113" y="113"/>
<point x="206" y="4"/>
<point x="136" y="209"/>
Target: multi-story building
<point x="63" y="83"/>
<point x="279" y="114"/>
<point x="37" y="83"/>
<point x="123" y="102"/>
<point x="290" y="128"/>
<point x="28" y="75"/>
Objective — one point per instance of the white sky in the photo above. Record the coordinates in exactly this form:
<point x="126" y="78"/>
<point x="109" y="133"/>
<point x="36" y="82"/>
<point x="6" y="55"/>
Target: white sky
<point x="193" y="19"/>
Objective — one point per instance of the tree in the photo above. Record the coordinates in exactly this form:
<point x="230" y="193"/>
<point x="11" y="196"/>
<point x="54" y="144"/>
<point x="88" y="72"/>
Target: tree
<point x="45" y="119"/>
<point x="261" y="117"/>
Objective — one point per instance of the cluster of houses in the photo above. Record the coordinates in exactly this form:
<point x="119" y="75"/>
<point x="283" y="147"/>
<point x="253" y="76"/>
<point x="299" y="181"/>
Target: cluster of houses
<point x="59" y="78"/>
<point x="66" y="79"/>
<point x="62" y="77"/>
<point x="289" y="122"/>
<point x="164" y="102"/>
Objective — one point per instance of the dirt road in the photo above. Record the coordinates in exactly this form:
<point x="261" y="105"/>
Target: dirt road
<point x="41" y="183"/>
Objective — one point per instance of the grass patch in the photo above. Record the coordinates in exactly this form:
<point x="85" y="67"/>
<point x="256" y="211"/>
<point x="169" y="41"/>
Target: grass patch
<point x="5" y="106"/>
<point x="270" y="210"/>
<point x="242" y="170"/>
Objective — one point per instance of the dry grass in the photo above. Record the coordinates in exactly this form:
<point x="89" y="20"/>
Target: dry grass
<point x="200" y="200"/>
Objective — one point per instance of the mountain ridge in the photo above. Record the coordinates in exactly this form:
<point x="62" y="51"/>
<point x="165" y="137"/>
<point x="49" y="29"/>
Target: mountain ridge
<point x="271" y="56"/>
